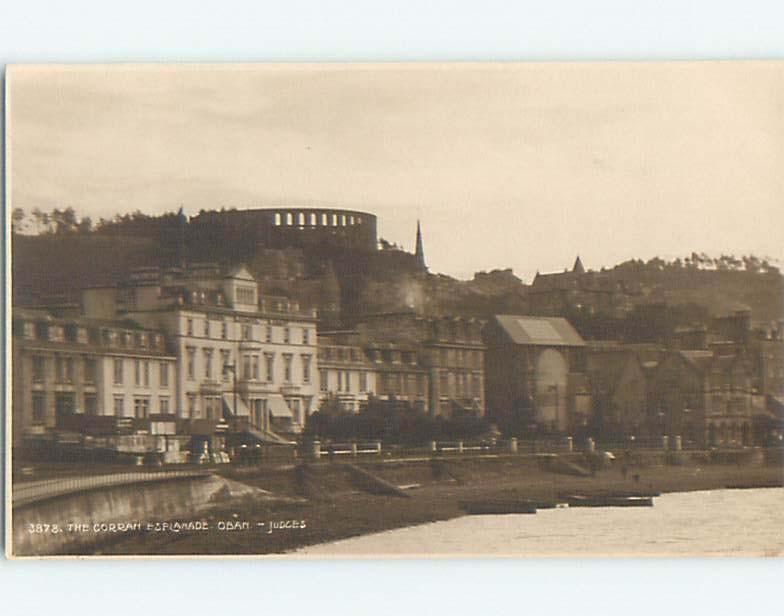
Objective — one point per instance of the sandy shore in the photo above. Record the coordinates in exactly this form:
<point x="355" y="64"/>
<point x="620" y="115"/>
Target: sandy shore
<point x="333" y="507"/>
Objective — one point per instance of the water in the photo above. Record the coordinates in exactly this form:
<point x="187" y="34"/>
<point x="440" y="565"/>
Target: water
<point x="710" y="523"/>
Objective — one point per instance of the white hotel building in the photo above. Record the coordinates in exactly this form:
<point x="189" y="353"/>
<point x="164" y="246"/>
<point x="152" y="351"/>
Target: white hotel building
<point x="236" y="350"/>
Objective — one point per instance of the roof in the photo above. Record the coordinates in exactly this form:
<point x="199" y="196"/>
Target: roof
<point x="701" y="360"/>
<point x="539" y="331"/>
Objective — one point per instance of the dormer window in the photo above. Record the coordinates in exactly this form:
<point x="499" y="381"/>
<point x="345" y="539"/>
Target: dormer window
<point x="56" y="333"/>
<point x="70" y="333"/>
<point x="41" y="331"/>
<point x="245" y="295"/>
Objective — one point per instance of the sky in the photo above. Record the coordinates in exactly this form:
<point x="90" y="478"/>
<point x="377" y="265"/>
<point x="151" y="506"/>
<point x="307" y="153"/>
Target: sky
<point x="520" y="166"/>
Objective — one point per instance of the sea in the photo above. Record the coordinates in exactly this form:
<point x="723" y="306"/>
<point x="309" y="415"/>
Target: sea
<point x="707" y="523"/>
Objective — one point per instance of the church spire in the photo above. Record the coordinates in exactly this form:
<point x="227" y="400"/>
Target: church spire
<point x="420" y="251"/>
<point x="578" y="266"/>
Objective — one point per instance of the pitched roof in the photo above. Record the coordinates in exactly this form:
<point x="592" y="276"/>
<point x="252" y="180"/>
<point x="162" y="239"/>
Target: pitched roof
<point x="701" y="360"/>
<point x="539" y="331"/>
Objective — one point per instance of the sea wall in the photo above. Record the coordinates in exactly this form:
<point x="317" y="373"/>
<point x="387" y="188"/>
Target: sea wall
<point x="67" y="523"/>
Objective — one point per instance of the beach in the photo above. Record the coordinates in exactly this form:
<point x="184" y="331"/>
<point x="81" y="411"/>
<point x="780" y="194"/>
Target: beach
<point x="324" y="502"/>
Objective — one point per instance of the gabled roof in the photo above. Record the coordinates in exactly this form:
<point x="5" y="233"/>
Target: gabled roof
<point x="605" y="368"/>
<point x="539" y="331"/>
<point x="701" y="360"/>
<point x="239" y="270"/>
<point x="559" y="281"/>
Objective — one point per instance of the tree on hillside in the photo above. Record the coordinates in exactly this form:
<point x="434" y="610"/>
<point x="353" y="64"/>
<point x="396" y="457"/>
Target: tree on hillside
<point x="18" y="220"/>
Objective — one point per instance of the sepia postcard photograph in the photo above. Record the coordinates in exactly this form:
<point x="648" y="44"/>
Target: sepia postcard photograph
<point x="374" y="310"/>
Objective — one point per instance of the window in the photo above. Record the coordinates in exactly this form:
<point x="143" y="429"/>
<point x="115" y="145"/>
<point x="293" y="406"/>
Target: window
<point x="206" y="328"/>
<point x="212" y="407"/>
<point x="39" y="408"/>
<point x="189" y="327"/>
<point x="270" y="361"/>
<point x="119" y="406"/>
<point x="225" y="361"/>
<point x="287" y="368"/>
<point x="39" y="367"/>
<point x="69" y="370"/>
<point x="246" y="367"/>
<point x="64" y="404"/>
<point x="137" y="371"/>
<point x="90" y="370"/>
<point x="295" y="406"/>
<point x="90" y="404"/>
<point x="41" y="331"/>
<point x="340" y="380"/>
<point x="163" y="405"/>
<point x="207" y="363"/>
<point x="59" y="371"/>
<point x="191" y="367"/>
<point x="306" y="368"/>
<point x="224" y="330"/>
<point x="118" y="371"/>
<point x="247" y="332"/>
<point x="246" y="295"/>
<point x="443" y="383"/>
<point x="348" y="380"/>
<point x="192" y="405"/>
<point x="476" y="387"/>
<point x="323" y="380"/>
<point x="363" y="381"/>
<point x="305" y="335"/>
<point x="164" y="374"/>
<point x="269" y="333"/>
<point x="141" y="407"/>
<point x="255" y="367"/>
<point x="146" y="373"/>
<point x="286" y="335"/>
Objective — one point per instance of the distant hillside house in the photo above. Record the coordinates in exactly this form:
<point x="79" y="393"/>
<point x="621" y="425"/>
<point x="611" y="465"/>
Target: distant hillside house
<point x="594" y="293"/>
<point x="536" y="364"/>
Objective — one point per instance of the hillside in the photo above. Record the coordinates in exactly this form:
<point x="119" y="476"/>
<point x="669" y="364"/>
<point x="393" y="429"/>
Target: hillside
<point x="58" y="264"/>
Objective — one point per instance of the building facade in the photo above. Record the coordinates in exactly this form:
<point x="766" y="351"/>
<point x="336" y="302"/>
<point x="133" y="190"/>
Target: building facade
<point x="705" y="399"/>
<point x="618" y="391"/>
<point x="535" y="366"/>
<point x="89" y="376"/>
<point x="239" y="353"/>
<point x="345" y="373"/>
<point x="448" y="348"/>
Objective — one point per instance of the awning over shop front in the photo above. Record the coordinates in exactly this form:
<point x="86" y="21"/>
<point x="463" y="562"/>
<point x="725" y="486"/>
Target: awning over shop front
<point x="277" y="406"/>
<point x="228" y="403"/>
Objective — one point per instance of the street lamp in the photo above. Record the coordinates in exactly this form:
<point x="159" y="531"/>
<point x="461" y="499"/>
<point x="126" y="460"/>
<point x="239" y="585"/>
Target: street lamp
<point x="233" y="369"/>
